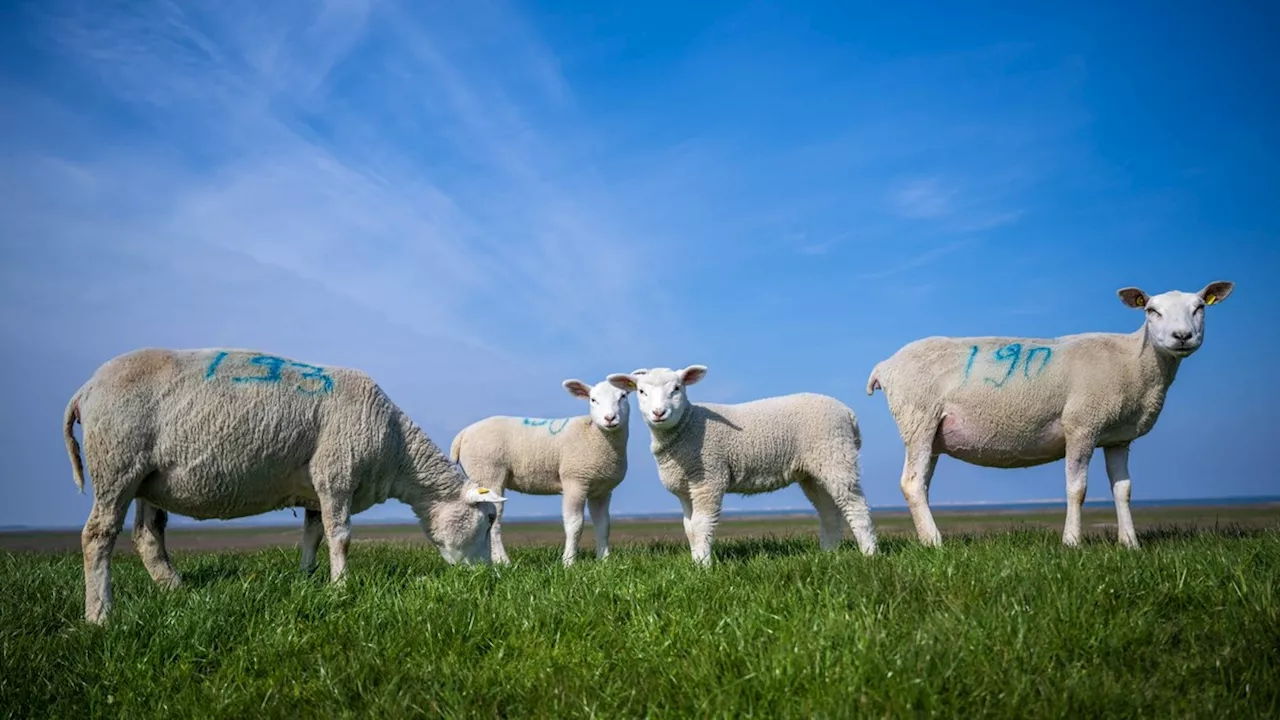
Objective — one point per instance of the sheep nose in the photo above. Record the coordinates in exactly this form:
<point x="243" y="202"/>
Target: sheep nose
<point x="659" y="414"/>
<point x="610" y="418"/>
<point x="1182" y="335"/>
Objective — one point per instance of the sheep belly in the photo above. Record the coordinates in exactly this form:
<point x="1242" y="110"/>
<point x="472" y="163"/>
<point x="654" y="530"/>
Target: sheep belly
<point x="531" y="480"/>
<point x="1000" y="444"/>
<point x="202" y="492"/>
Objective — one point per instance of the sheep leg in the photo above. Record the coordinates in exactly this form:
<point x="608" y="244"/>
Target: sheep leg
<point x="830" y="522"/>
<point x="686" y="506"/>
<point x="149" y="523"/>
<point x="917" y="474"/>
<point x="599" y="507"/>
<point x="853" y="503"/>
<point x="97" y="540"/>
<point x="1118" y="473"/>
<point x="312" y="532"/>
<point x="1078" y="456"/>
<point x="497" y="551"/>
<point x="702" y="525"/>
<point x="335" y="514"/>
<point x="573" y="504"/>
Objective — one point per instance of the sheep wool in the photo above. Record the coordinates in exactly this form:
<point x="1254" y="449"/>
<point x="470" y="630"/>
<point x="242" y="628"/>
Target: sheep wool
<point x="704" y="450"/>
<point x="582" y="458"/>
<point x="1008" y="402"/>
<point x="227" y="433"/>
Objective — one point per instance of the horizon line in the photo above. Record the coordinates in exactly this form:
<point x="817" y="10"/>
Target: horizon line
<point x="185" y="522"/>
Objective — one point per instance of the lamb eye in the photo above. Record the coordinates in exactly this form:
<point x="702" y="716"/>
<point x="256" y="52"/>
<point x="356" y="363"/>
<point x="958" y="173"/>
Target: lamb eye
<point x="1153" y="311"/>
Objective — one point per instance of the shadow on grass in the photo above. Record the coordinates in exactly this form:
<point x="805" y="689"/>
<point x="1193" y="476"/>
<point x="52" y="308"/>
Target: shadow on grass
<point x="1228" y="531"/>
<point x="212" y="568"/>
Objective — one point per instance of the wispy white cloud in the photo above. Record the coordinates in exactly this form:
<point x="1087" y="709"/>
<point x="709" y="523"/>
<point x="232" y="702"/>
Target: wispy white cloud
<point x="923" y="198"/>
<point x="916" y="261"/>
<point x="956" y="208"/>
<point x="515" y="240"/>
<point x="358" y="182"/>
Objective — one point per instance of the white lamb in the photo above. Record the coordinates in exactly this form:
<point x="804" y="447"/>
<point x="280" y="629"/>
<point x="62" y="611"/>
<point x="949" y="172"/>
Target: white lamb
<point x="231" y="433"/>
<point x="582" y="458"/>
<point x="705" y="450"/>
<point x="1008" y="402"/>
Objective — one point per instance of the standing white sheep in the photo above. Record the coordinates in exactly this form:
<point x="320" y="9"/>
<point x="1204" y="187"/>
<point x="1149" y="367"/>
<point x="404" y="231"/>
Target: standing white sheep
<point x="220" y="433"/>
<point x="1007" y="402"/>
<point x="705" y="450"/>
<point x="582" y="458"/>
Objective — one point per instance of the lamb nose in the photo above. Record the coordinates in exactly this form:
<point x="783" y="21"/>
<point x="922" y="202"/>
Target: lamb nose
<point x="658" y="414"/>
<point x="610" y="418"/>
<point x="1182" y="335"/>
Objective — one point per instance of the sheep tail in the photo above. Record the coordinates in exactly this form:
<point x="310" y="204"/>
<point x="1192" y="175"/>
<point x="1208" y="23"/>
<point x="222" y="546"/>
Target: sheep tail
<point x="873" y="382"/>
<point x="455" y="449"/>
<point x="70" y="417"/>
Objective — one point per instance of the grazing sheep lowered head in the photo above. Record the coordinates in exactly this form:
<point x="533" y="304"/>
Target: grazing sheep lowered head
<point x="460" y="529"/>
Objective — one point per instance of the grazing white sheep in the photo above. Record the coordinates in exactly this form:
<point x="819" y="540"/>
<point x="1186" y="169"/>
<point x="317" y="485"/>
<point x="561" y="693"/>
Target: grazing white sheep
<point x="1009" y="402"/>
<point x="582" y="458"/>
<point x="704" y="450"/>
<point x="220" y="433"/>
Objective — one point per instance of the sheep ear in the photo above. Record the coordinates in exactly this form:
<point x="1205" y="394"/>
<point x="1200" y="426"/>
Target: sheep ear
<point x="577" y="388"/>
<point x="1133" y="297"/>
<point x="1216" y="292"/>
<point x="622" y="381"/>
<point x="481" y="494"/>
<point x="693" y="374"/>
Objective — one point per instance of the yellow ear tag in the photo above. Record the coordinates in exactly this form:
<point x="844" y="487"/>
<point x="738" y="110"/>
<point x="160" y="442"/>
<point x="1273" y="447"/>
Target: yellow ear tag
<point x="1210" y="299"/>
<point x="1142" y="301"/>
<point x="483" y="490"/>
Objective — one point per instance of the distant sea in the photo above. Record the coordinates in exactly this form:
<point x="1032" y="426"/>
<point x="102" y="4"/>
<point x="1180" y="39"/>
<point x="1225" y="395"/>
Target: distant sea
<point x="372" y="517"/>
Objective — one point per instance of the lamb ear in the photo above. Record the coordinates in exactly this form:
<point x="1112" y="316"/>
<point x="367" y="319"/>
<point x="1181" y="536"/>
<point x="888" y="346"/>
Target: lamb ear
<point x="577" y="388"/>
<point x="693" y="374"/>
<point x="481" y="494"/>
<point x="1133" y="297"/>
<point x="1217" y="291"/>
<point x="622" y="381"/>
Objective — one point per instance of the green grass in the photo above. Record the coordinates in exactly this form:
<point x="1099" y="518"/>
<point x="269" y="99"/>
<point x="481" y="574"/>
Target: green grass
<point x="1007" y="625"/>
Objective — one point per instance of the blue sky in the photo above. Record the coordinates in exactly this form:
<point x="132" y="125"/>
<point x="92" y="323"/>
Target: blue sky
<point x="474" y="201"/>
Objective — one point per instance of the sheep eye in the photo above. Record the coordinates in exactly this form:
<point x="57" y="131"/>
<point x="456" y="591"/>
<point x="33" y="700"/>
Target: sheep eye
<point x="593" y="401"/>
<point x="1153" y="311"/>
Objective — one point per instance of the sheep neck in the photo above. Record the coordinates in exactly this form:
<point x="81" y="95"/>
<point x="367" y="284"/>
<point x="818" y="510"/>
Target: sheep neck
<point x="1158" y="368"/>
<point x="617" y="439"/>
<point x="426" y="473"/>
<point x="664" y="439"/>
<point x="1156" y="372"/>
